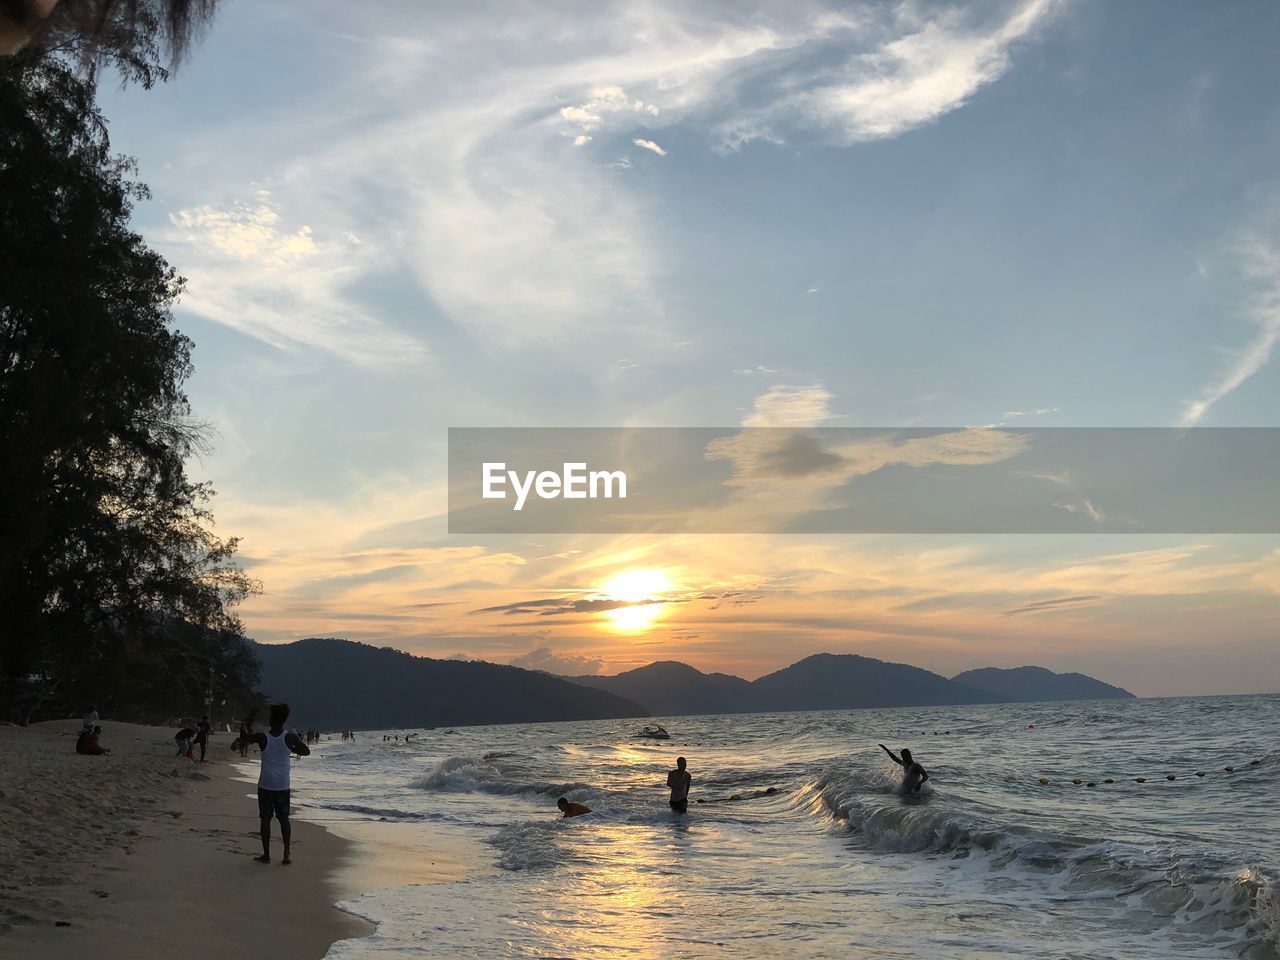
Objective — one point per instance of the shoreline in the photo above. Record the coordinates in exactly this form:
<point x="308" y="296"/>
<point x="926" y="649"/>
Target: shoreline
<point x="142" y="854"/>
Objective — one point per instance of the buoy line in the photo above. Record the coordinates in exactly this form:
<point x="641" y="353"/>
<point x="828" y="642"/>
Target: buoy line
<point x="1078" y="781"/>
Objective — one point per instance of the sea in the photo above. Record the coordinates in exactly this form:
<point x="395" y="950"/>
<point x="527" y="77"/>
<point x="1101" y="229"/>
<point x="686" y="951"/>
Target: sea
<point x="1102" y="829"/>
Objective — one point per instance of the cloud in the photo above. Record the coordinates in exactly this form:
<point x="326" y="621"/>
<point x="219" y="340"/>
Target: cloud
<point x="1083" y="506"/>
<point x="1049" y="606"/>
<point x="917" y="69"/>
<point x="561" y="664"/>
<point x="1061" y="479"/>
<point x="603" y="102"/>
<point x="284" y="285"/>
<point x="1039" y="412"/>
<point x="917" y="78"/>
<point x="650" y="146"/>
<point x="445" y="153"/>
<point x="790" y="406"/>
<point x="783" y="469"/>
<point x="247" y="232"/>
<point x="558" y="606"/>
<point x="1261" y="262"/>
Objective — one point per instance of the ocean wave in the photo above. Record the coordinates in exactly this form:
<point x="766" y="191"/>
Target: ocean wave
<point x="488" y="775"/>
<point x="1167" y="884"/>
<point x="527" y="846"/>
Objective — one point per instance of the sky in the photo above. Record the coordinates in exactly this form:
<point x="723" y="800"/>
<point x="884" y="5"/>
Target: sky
<point x="1035" y="213"/>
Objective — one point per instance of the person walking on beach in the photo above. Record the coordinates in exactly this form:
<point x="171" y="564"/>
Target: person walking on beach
<point x="678" y="780"/>
<point x="913" y="775"/>
<point x="246" y="734"/>
<point x="273" y="777"/>
<point x="202" y="736"/>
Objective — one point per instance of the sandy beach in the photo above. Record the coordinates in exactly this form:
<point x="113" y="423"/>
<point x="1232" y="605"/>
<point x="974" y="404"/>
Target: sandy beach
<point x="141" y="854"/>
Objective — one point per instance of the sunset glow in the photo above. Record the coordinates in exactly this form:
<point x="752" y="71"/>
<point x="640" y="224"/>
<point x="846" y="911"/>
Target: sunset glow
<point x="637" y="587"/>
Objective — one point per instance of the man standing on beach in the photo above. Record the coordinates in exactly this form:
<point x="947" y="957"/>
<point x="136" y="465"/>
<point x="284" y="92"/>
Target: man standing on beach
<point x="678" y="780"/>
<point x="202" y="736"/>
<point x="273" y="777"/>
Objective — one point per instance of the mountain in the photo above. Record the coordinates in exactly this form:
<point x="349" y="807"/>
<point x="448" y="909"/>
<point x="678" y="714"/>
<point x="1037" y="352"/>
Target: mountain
<point x="1027" y="684"/>
<point x="827" y="681"/>
<point x="338" y="683"/>
<point x="668" y="689"/>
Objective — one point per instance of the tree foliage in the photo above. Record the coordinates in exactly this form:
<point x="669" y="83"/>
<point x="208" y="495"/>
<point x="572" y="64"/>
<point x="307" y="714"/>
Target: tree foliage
<point x="142" y="39"/>
<point x="111" y="579"/>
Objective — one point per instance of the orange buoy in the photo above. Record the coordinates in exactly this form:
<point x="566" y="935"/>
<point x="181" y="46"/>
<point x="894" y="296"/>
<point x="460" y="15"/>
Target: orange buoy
<point x="1171" y="777"/>
<point x="1108" y="780"/>
<point x="1077" y="781"/>
<point x="1228" y="769"/>
<point x="1199" y="773"/>
<point x="1140" y="780"/>
<point x="1044" y="780"/>
<point x="1254" y="763"/>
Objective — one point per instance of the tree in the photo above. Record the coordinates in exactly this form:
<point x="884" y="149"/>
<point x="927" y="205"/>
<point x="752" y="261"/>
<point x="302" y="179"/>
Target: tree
<point x="108" y="563"/>
<point x="142" y="39"/>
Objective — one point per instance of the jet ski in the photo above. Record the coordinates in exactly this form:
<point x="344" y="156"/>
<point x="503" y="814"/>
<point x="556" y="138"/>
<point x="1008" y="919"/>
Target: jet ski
<point x="654" y="733"/>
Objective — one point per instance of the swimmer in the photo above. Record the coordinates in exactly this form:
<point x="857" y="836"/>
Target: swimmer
<point x="913" y="775"/>
<point x="572" y="809"/>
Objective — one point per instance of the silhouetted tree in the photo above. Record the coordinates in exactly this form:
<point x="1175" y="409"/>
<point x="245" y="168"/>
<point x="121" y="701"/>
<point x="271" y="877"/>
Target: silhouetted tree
<point x="143" y="39"/>
<point x="108" y="566"/>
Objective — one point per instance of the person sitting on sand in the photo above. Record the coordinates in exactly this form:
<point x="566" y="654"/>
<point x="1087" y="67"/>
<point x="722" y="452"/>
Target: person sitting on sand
<point x="273" y="777"/>
<point x="913" y="775"/>
<point x="88" y="743"/>
<point x="572" y="809"/>
<point x="678" y="780"/>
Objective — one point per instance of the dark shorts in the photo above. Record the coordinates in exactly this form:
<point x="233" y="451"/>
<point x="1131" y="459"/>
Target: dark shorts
<point x="273" y="802"/>
<point x="680" y="806"/>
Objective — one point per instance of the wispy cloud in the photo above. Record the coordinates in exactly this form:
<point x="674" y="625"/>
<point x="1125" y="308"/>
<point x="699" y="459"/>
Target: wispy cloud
<point x="1082" y="506"/>
<point x="285" y="284"/>
<point x="1049" y="606"/>
<point x="1261" y="262"/>
<point x="487" y="188"/>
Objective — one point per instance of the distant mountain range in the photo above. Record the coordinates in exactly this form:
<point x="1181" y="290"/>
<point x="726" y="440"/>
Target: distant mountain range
<point x="1026" y="684"/>
<point x="332" y="683"/>
<point x="828" y="681"/>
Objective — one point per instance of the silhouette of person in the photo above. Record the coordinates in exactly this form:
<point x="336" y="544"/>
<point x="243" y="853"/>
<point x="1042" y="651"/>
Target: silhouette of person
<point x="678" y="780"/>
<point x="572" y="809"/>
<point x="913" y="775"/>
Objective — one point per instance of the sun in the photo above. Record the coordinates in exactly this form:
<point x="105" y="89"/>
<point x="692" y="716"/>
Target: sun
<point x="635" y="587"/>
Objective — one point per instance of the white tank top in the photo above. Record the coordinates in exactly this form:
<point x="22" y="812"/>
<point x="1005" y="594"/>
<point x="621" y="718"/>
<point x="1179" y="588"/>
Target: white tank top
<point x="274" y="772"/>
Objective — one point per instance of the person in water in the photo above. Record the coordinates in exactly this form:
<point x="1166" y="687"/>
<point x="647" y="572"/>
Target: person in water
<point x="273" y="778"/>
<point x="571" y="809"/>
<point x="913" y="775"/>
<point x="678" y="780"/>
